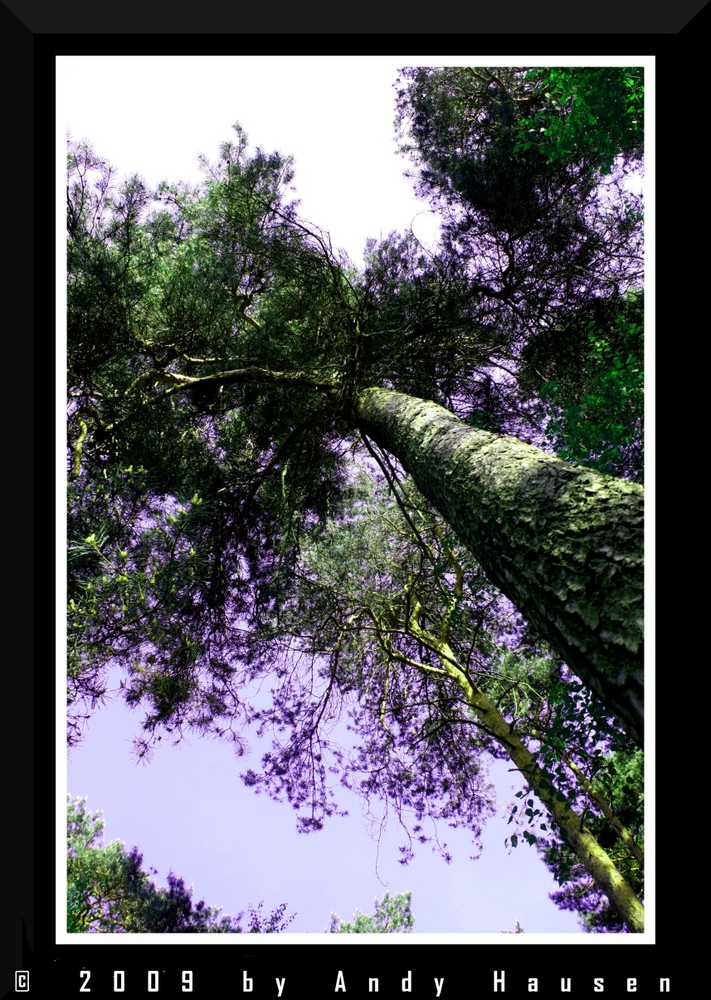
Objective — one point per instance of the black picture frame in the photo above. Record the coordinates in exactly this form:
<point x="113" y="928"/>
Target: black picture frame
<point x="31" y="37"/>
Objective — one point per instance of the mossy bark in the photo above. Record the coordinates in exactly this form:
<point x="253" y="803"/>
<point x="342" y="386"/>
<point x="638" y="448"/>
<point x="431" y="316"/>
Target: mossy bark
<point x="565" y="544"/>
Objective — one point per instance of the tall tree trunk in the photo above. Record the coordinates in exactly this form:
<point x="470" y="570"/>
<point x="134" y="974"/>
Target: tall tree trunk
<point x="565" y="544"/>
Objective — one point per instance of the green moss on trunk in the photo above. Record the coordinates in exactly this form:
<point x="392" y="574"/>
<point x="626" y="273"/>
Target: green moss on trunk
<point x="565" y="544"/>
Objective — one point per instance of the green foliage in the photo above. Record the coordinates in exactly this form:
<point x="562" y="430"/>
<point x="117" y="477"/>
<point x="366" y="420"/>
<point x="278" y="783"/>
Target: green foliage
<point x="536" y="220"/>
<point x="220" y="537"/>
<point x="460" y="126"/>
<point x="617" y="805"/>
<point x="102" y="882"/>
<point x="109" y="892"/>
<point x="591" y="764"/>
<point x="191" y="493"/>
<point x="181" y="503"/>
<point x="595" y="416"/>
<point x="597" y="113"/>
<point x="392" y="915"/>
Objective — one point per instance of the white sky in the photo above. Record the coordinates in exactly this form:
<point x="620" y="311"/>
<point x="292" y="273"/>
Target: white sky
<point x="334" y="115"/>
<point x="187" y="810"/>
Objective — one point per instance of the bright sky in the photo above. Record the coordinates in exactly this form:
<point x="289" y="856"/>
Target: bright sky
<point x="154" y="116"/>
<point x="187" y="810"/>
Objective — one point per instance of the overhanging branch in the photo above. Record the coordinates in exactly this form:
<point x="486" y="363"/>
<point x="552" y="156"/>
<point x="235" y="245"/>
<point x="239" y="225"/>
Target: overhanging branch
<point x="237" y="376"/>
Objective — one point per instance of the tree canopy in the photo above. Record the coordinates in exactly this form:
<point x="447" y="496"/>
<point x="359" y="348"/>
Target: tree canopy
<point x="109" y="891"/>
<point x="408" y="496"/>
<point x="392" y="916"/>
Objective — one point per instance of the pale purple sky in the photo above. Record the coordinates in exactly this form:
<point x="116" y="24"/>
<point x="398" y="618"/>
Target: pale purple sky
<point x="187" y="810"/>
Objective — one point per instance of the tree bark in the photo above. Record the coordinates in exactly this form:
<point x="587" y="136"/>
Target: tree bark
<point x="565" y="544"/>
